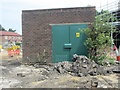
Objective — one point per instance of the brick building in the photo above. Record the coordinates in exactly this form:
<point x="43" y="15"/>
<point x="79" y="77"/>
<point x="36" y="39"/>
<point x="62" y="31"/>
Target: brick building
<point x="37" y="35"/>
<point x="9" y="37"/>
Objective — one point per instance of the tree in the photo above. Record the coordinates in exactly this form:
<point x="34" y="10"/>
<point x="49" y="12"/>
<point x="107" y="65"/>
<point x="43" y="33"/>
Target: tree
<point x="99" y="35"/>
<point x="1" y="28"/>
<point x="11" y="30"/>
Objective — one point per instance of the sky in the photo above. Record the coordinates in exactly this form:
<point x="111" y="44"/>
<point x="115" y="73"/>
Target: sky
<point x="11" y="10"/>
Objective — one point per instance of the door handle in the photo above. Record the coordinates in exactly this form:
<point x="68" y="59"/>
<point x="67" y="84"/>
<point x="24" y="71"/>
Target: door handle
<point x="68" y="46"/>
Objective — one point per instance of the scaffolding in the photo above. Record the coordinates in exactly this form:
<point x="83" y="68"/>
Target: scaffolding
<point x="114" y="8"/>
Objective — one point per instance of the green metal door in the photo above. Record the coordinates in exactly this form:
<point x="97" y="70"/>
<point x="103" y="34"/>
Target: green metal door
<point x="77" y="39"/>
<point x="66" y="41"/>
<point x="60" y="36"/>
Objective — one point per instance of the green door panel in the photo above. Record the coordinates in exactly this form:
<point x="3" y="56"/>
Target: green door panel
<point x="68" y="40"/>
<point x="77" y="39"/>
<point x="60" y="37"/>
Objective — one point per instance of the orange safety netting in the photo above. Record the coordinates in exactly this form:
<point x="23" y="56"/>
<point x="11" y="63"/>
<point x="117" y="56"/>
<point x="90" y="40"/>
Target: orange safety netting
<point x="13" y="52"/>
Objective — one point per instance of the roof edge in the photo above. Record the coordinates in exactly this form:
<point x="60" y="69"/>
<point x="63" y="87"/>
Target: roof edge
<point x="57" y="9"/>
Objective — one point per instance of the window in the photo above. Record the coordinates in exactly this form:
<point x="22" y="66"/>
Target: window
<point x="6" y="37"/>
<point x="12" y="37"/>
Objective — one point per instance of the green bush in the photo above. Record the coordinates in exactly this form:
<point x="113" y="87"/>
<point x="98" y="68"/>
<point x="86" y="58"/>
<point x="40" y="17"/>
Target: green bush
<point x="99" y="35"/>
<point x="17" y="43"/>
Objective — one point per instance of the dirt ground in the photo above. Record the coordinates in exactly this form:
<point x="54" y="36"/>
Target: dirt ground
<point x="16" y="75"/>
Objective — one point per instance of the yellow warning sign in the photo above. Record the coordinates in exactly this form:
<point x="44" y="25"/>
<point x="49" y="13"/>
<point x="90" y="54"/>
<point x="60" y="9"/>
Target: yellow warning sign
<point x="0" y="46"/>
<point x="77" y="34"/>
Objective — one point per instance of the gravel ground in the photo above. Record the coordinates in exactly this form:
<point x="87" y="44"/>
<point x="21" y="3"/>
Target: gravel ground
<point x="15" y="75"/>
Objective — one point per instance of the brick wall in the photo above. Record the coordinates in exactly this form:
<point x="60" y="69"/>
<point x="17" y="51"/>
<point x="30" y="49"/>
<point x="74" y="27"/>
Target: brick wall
<point x="36" y="28"/>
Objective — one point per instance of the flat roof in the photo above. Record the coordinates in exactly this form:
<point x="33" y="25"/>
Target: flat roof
<point x="58" y="9"/>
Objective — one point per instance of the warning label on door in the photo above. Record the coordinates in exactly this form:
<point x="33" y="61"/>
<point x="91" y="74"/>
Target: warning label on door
<point x="77" y="34"/>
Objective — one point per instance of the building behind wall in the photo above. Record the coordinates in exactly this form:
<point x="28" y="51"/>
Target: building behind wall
<point x="7" y="38"/>
<point x="37" y="35"/>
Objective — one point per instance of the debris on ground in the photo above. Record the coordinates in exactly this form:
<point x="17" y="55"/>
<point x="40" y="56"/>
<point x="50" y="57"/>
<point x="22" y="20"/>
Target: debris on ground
<point x="83" y="67"/>
<point x="82" y="73"/>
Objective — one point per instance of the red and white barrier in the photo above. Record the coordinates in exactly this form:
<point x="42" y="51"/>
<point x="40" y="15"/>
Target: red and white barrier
<point x="117" y="53"/>
<point x="13" y="52"/>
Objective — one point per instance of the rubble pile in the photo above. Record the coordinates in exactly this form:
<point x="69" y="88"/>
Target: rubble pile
<point x="82" y="67"/>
